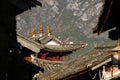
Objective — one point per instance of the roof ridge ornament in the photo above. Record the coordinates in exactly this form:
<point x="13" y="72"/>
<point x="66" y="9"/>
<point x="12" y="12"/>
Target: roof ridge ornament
<point x="41" y="30"/>
<point x="33" y="31"/>
<point x="48" y="30"/>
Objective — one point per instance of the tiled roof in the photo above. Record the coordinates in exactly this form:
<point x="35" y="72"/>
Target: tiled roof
<point x="64" y="47"/>
<point x="116" y="48"/>
<point x="46" y="38"/>
<point x="90" y="60"/>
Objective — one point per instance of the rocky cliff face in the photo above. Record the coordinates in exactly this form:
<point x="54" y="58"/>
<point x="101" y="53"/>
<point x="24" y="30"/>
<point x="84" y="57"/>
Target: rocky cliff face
<point x="74" y="19"/>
